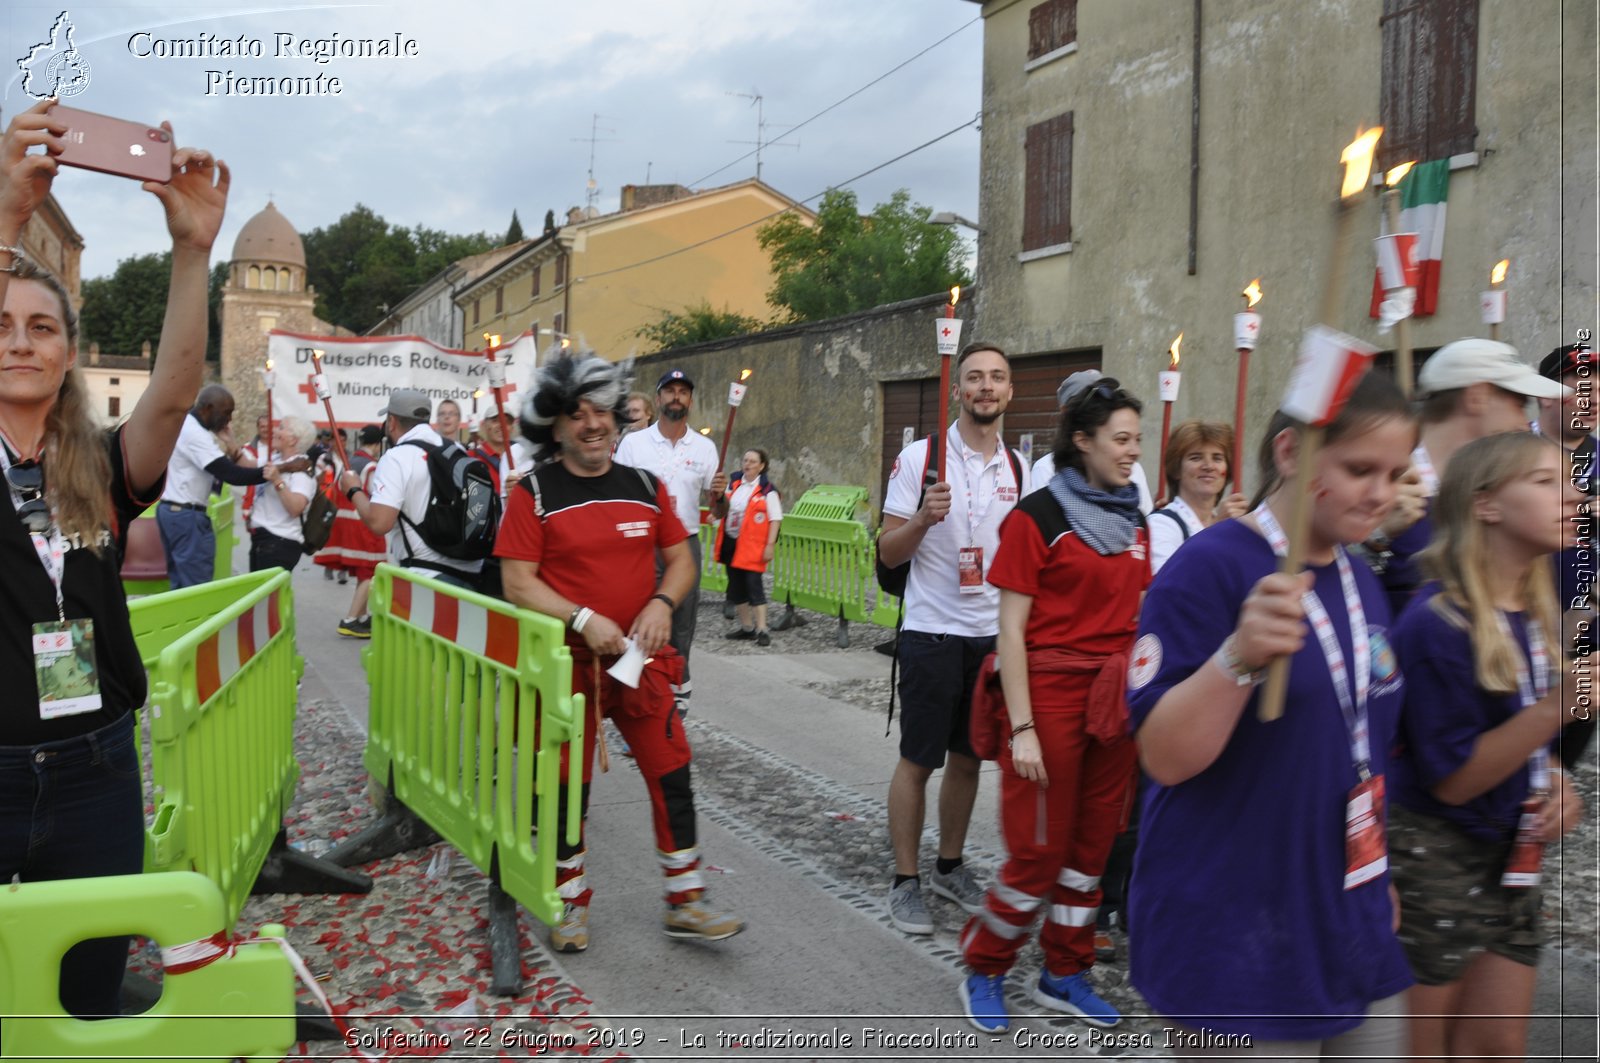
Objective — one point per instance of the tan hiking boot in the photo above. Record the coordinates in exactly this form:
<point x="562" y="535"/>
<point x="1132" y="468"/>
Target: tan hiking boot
<point x="572" y="933"/>
<point x="696" y="919"/>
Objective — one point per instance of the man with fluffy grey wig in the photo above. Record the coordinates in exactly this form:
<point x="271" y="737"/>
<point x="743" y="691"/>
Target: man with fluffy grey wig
<point x="579" y="542"/>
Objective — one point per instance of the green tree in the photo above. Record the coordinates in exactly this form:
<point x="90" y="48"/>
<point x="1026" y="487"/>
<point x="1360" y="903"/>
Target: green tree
<point x="122" y="311"/>
<point x="847" y="262"/>
<point x="361" y="265"/>
<point x="514" y="233"/>
<point x="696" y="324"/>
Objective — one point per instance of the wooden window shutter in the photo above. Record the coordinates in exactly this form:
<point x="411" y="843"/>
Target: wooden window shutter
<point x="500" y="300"/>
<point x="537" y="270"/>
<point x="1428" y="96"/>
<point x="1047" y="209"/>
<point x="1051" y="25"/>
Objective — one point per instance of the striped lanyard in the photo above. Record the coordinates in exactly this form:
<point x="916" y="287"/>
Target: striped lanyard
<point x="976" y="516"/>
<point x="1530" y="688"/>
<point x="1354" y="708"/>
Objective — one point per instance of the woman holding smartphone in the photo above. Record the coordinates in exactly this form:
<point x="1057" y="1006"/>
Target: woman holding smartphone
<point x="70" y="798"/>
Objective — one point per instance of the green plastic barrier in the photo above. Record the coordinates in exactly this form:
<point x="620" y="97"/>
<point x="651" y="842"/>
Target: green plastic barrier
<point x="470" y="712"/>
<point x="831" y="502"/>
<point x="713" y="574"/>
<point x="240" y="1006"/>
<point x="220" y="510"/>
<point x="223" y="675"/>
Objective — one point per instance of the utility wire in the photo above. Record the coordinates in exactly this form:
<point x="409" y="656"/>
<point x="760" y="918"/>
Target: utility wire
<point x="969" y="123"/>
<point x="846" y="99"/>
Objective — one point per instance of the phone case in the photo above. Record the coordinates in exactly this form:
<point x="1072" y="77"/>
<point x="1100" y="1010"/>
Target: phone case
<point x="111" y="145"/>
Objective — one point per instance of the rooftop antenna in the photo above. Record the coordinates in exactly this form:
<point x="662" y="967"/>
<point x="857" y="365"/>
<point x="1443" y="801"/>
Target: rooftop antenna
<point x="593" y="190"/>
<point x="761" y="141"/>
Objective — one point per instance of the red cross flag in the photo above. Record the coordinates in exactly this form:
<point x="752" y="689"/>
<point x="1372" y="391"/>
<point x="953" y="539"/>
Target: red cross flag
<point x="1329" y="365"/>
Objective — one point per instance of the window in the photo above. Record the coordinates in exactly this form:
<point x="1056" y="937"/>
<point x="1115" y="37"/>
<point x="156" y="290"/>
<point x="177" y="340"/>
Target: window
<point x="537" y="270"/>
<point x="1429" y="81"/>
<point x="500" y="300"/>
<point x="115" y="381"/>
<point x="253" y="277"/>
<point x="561" y="270"/>
<point x="1052" y="26"/>
<point x="1047" y="205"/>
<point x="476" y="307"/>
<point x="283" y="280"/>
<point x="560" y="325"/>
<point x="269" y="277"/>
<point x="114" y="406"/>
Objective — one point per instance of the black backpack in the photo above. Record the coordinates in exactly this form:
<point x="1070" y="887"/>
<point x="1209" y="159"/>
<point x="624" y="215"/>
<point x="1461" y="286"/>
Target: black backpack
<point x="316" y="522"/>
<point x="463" y="505"/>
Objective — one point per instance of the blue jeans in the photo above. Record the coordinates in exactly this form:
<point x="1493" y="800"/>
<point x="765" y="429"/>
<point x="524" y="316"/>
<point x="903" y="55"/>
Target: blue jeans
<point x="190" y="544"/>
<point x="75" y="809"/>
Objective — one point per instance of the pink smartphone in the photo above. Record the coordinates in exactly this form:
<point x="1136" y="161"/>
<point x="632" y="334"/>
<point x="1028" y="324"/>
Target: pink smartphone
<point x="111" y="145"/>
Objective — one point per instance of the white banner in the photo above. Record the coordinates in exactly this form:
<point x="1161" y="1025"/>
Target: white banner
<point x="361" y="371"/>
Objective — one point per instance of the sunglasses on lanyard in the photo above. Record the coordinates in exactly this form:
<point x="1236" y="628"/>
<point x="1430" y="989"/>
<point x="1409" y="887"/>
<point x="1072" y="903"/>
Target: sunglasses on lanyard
<point x="27" y="479"/>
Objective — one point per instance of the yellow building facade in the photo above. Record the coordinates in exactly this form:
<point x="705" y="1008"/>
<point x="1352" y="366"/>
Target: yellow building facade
<point x="600" y="279"/>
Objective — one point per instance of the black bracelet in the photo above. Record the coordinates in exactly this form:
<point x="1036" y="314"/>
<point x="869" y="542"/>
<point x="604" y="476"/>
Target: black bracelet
<point x="670" y="603"/>
<point x="1021" y="727"/>
<point x="351" y="493"/>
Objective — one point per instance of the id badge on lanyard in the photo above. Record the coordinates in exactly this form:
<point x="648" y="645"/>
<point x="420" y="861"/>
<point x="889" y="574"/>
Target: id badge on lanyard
<point x="1526" y="859"/>
<point x="1366" y="848"/>
<point x="969" y="559"/>
<point x="64" y="667"/>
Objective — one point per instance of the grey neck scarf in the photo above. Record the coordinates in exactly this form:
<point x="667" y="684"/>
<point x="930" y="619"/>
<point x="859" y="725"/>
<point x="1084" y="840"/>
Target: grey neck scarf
<point x="1106" y="520"/>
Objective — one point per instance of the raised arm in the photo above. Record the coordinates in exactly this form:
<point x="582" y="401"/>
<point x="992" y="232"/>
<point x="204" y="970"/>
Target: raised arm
<point x="194" y="201"/>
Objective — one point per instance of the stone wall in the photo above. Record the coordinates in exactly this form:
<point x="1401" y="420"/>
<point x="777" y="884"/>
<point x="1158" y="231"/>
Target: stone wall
<point x="815" y="398"/>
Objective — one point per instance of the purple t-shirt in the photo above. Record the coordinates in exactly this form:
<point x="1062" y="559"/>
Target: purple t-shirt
<point x="1243" y="922"/>
<point x="1446" y="713"/>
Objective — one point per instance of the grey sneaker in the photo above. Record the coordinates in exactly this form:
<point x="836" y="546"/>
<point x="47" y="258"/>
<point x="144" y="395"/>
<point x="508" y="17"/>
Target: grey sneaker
<point x="906" y="909"/>
<point x="958" y="886"/>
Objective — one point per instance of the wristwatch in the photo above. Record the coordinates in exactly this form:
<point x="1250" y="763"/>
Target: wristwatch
<point x="1232" y="665"/>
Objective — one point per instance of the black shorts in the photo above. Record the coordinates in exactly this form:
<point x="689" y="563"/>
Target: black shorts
<point x="937" y="674"/>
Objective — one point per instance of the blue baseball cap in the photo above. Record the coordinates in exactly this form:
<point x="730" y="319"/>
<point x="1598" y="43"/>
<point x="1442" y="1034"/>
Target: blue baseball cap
<point x="675" y="376"/>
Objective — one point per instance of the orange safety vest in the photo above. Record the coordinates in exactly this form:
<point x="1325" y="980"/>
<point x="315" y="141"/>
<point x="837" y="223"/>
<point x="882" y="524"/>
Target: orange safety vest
<point x="747" y="552"/>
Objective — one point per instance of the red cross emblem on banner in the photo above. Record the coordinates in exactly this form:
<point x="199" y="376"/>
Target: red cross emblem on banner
<point x="308" y="390"/>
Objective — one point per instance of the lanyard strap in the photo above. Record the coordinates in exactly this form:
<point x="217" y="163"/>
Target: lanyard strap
<point x="975" y="516"/>
<point x="1425" y="469"/>
<point x="1532" y="684"/>
<point x="51" y="548"/>
<point x="1354" y="709"/>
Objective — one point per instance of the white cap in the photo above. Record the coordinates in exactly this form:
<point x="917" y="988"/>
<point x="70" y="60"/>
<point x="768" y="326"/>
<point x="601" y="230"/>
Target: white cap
<point x="1478" y="361"/>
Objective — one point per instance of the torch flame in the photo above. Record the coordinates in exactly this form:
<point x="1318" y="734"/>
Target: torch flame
<point x="705" y="431"/>
<point x="1173" y="351"/>
<point x="1357" y="157"/>
<point x="1498" y="274"/>
<point x="1252" y="293"/>
<point x="269" y="365"/>
<point x="1397" y="173"/>
<point x="745" y="375"/>
<point x="955" y="294"/>
<point x="317" y="353"/>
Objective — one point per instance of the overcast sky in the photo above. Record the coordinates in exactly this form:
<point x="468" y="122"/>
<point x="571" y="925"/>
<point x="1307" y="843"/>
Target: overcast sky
<point x="495" y="109"/>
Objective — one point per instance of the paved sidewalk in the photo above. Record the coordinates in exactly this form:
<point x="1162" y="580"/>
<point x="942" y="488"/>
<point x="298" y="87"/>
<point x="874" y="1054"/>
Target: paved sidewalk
<point x="791" y="771"/>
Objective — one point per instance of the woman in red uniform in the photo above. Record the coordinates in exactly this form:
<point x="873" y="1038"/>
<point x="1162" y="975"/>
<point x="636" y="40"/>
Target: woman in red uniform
<point x="351" y="547"/>
<point x="1072" y="565"/>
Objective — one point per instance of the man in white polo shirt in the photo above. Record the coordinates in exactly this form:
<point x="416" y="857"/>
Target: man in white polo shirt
<point x="187" y="537"/>
<point x="686" y="462"/>
<point x="949" y="533"/>
<point x="401" y="486"/>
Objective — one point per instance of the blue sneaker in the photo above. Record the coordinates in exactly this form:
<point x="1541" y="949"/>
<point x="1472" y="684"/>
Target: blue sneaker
<point x="984" y="997"/>
<point x="1072" y="994"/>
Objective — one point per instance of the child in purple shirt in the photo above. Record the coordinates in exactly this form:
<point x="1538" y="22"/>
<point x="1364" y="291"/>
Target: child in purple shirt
<point x="1476" y="788"/>
<point x="1254" y="930"/>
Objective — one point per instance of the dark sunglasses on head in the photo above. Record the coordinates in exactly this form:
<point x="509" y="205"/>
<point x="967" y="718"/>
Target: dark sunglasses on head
<point x="27" y="479"/>
<point x="1108" y="389"/>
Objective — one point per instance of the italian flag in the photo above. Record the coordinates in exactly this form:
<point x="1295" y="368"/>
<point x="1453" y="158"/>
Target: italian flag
<point x="1422" y="195"/>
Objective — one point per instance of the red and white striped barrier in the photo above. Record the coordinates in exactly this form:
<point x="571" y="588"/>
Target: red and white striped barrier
<point x="472" y="627"/>
<point x="220" y="657"/>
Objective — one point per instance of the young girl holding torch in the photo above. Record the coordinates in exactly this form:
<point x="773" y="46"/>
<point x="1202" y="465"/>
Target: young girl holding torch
<point x="1256" y="921"/>
<point x="1477" y="790"/>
